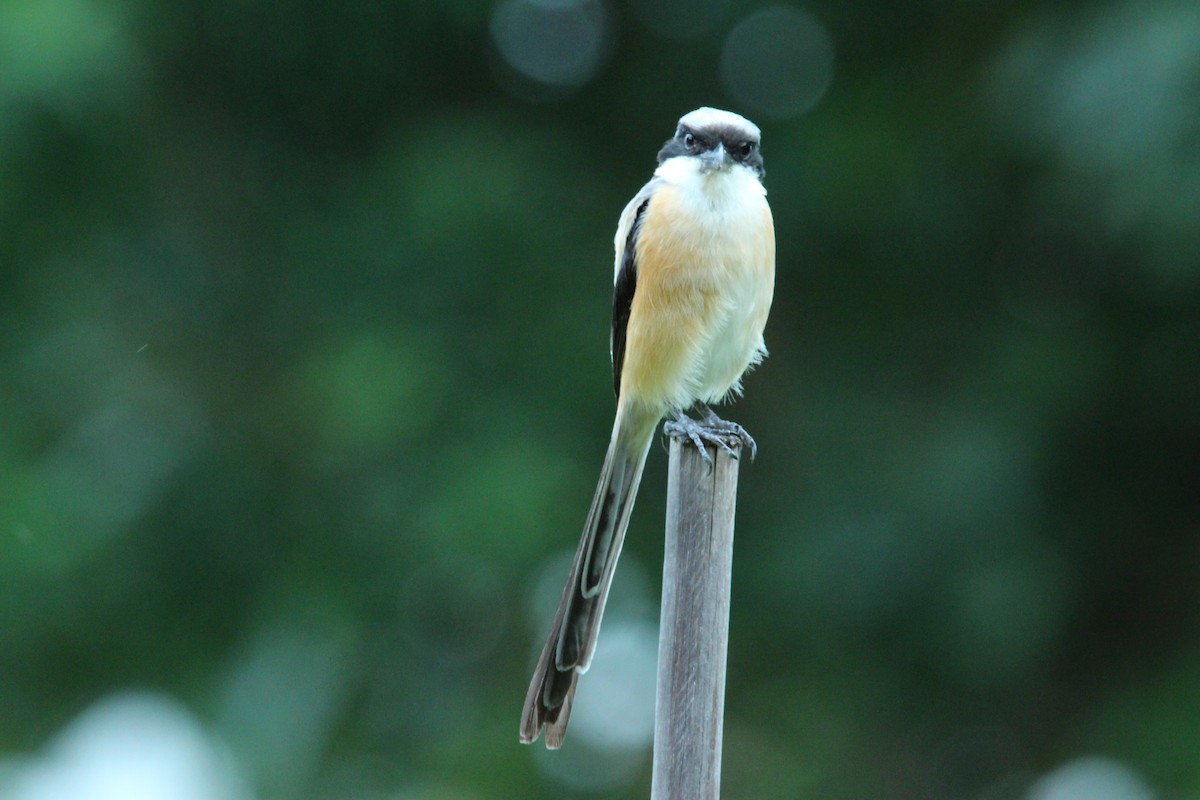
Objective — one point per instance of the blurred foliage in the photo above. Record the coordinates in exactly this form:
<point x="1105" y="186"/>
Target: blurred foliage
<point x="304" y="382"/>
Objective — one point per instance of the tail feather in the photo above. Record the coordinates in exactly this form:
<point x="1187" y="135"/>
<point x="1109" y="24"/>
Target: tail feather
<point x="572" y="640"/>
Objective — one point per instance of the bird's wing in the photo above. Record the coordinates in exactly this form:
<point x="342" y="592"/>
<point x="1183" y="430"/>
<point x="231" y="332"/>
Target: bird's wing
<point x="625" y="276"/>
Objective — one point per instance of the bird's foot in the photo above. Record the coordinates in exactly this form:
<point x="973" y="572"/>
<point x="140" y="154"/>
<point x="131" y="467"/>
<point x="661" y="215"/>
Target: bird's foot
<point x="710" y="430"/>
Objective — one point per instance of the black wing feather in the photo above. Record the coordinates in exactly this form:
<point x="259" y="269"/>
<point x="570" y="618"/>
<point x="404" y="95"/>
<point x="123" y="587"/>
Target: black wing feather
<point x="623" y="290"/>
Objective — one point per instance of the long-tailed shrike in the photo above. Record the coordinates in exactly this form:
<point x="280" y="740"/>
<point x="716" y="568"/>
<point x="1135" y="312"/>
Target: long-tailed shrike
<point x="695" y="272"/>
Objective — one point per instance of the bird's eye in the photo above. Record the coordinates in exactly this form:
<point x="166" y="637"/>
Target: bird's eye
<point x="746" y="149"/>
<point x="689" y="141"/>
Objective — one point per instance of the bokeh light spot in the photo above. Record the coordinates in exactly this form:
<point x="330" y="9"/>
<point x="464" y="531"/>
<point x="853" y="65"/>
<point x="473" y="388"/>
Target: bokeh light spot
<point x="778" y="62"/>
<point x="73" y="55"/>
<point x="612" y="724"/>
<point x="557" y="43"/>
<point x="617" y="710"/>
<point x="1093" y="778"/>
<point x="129" y="746"/>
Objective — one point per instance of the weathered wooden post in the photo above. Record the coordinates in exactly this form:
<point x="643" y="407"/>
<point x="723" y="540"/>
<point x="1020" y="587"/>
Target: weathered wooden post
<point x="694" y="628"/>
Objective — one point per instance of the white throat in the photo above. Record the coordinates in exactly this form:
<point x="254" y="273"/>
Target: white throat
<point x="732" y="183"/>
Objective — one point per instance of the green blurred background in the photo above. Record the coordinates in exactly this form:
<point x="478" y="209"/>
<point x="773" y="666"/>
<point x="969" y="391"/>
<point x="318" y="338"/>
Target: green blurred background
<point x="304" y="386"/>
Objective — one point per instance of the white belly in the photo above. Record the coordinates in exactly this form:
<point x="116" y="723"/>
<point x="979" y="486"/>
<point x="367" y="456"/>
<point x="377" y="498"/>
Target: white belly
<point x="706" y="273"/>
<point x="730" y="214"/>
<point x="737" y="345"/>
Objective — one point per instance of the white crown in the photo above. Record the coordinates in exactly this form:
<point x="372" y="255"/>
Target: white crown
<point x="715" y="118"/>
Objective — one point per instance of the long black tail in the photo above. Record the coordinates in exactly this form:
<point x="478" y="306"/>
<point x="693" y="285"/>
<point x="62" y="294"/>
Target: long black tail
<point x="572" y="639"/>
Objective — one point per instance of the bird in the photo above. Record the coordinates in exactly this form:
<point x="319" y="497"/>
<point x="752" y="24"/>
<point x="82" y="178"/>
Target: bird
<point x="693" y="282"/>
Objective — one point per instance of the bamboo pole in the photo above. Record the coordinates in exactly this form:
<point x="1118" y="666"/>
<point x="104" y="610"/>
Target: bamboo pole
<point x="694" y="628"/>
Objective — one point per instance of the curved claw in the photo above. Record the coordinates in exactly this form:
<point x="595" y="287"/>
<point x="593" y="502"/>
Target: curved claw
<point x="712" y="430"/>
<point x="715" y="423"/>
<point x="694" y="433"/>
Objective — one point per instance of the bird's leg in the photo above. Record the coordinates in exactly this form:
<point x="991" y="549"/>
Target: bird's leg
<point x="711" y="429"/>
